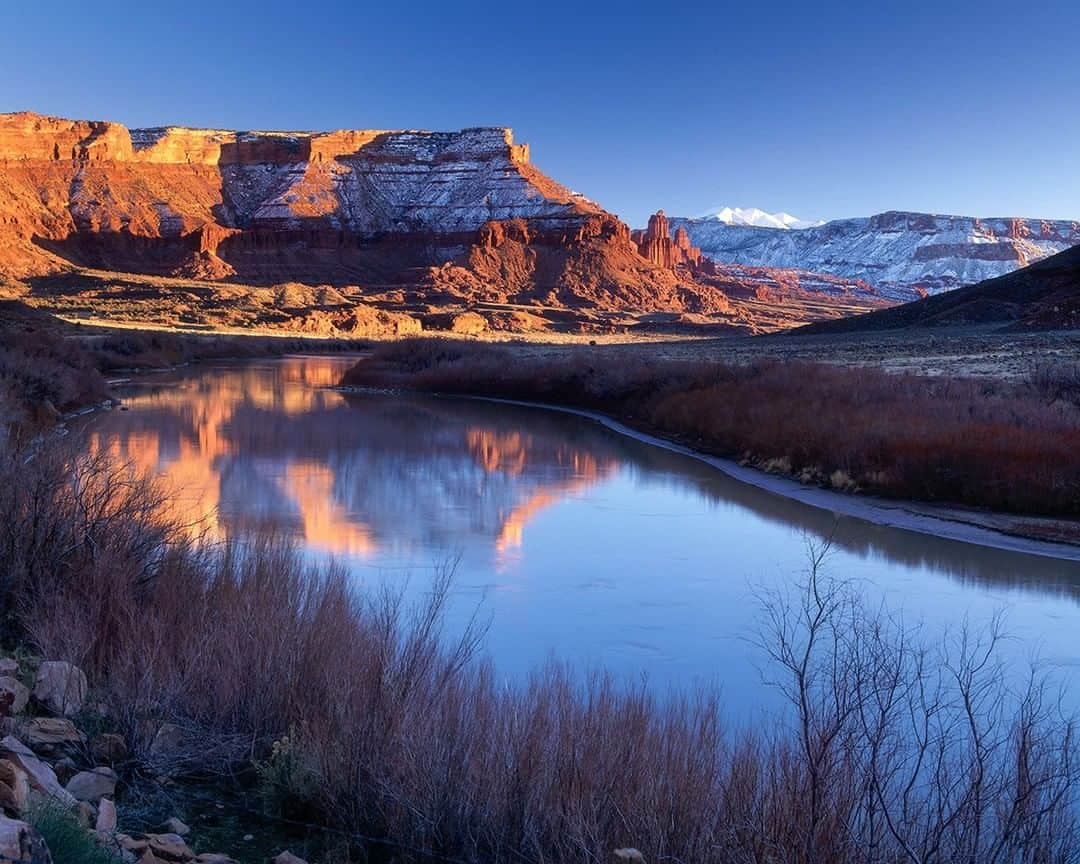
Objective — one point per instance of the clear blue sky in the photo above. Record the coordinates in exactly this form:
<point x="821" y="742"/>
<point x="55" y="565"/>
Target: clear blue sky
<point x="823" y="109"/>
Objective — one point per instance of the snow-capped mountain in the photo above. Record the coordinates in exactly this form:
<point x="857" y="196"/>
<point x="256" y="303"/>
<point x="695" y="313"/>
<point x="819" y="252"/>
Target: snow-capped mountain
<point x="903" y="255"/>
<point x="758" y="218"/>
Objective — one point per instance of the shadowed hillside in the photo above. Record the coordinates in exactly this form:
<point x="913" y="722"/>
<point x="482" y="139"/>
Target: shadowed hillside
<point x="1045" y="295"/>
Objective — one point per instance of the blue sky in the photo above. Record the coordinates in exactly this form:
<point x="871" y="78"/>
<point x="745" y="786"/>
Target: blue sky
<point x="823" y="109"/>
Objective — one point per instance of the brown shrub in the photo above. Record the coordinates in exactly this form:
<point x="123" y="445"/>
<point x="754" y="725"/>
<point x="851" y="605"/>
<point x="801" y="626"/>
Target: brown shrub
<point x="42" y="374"/>
<point x="968" y="441"/>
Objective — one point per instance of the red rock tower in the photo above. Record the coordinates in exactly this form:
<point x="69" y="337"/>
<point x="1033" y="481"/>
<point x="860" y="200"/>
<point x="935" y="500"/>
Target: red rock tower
<point x="656" y="245"/>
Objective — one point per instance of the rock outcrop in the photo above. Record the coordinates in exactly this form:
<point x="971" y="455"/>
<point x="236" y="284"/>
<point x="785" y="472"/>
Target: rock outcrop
<point x="414" y="221"/>
<point x="259" y="205"/>
<point x="594" y="263"/>
<point x="657" y="245"/>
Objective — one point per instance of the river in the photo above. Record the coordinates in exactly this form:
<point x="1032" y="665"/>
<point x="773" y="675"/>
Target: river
<point x="571" y="540"/>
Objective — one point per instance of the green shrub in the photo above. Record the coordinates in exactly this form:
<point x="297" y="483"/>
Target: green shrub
<point x="68" y="841"/>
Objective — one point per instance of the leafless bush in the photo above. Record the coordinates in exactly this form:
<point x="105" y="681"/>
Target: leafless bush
<point x="917" y="752"/>
<point x="1058" y="382"/>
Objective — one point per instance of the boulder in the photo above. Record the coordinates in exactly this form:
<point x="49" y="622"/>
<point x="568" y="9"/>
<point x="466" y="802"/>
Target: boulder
<point x="629" y="853"/>
<point x="19" y="842"/>
<point x="50" y="733"/>
<point x="14" y="690"/>
<point x="41" y="776"/>
<point x="65" y="768"/>
<point x="288" y="858"/>
<point x="168" y="741"/>
<point x="61" y="687"/>
<point x="9" y="667"/>
<point x="85" y="814"/>
<point x="130" y="844"/>
<point x="109" y="747"/>
<point x="176" y="826"/>
<point x="93" y="785"/>
<point x="14" y="788"/>
<point x="170" y="847"/>
<point x="106" y="817"/>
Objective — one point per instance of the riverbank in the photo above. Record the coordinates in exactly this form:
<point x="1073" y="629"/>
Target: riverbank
<point x="982" y="461"/>
<point x="1027" y="535"/>
<point x="51" y="370"/>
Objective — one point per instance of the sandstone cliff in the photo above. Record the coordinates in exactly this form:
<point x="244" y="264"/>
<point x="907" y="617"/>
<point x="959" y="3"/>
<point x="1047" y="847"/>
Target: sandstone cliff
<point x="407" y="219"/>
<point x="259" y="205"/>
<point x="593" y="264"/>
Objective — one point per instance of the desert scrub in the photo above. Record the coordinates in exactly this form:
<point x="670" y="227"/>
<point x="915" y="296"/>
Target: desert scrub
<point x="286" y="783"/>
<point x="1008" y="446"/>
<point x="68" y="841"/>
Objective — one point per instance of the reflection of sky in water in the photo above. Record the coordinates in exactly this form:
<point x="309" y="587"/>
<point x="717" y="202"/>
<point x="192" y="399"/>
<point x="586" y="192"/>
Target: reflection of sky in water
<point x="575" y="541"/>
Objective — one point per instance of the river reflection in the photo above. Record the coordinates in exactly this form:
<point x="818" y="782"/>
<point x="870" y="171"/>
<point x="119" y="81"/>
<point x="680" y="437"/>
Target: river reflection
<point x="576" y="541"/>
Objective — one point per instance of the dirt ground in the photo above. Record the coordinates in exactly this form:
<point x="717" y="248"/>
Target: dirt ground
<point x="97" y="301"/>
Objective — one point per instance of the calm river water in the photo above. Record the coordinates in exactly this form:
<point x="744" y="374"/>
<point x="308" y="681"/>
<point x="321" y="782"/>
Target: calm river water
<point x="575" y="542"/>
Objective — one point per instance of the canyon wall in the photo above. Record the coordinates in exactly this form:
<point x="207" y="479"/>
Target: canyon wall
<point x="260" y="205"/>
<point x="400" y="217"/>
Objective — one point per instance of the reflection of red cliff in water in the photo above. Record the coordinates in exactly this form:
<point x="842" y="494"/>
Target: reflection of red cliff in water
<point x="192" y="465"/>
<point x="261" y="445"/>
<point x="510" y="453"/>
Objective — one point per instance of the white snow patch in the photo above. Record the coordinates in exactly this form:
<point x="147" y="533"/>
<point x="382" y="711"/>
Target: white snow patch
<point x="758" y="218"/>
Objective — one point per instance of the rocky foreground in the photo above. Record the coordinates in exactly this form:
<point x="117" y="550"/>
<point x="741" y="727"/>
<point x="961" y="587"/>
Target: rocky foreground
<point x="50" y="766"/>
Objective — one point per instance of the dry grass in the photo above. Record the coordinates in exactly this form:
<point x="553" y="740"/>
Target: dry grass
<point x="1002" y="445"/>
<point x="41" y="374"/>
<point x="361" y="713"/>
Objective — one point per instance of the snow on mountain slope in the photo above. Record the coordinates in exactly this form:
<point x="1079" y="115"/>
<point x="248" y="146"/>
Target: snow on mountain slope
<point x="754" y="216"/>
<point x="903" y="255"/>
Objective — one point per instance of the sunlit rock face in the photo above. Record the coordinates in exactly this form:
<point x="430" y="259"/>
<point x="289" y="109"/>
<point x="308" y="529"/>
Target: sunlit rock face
<point x="461" y="216"/>
<point x="656" y="244"/>
<point x="902" y="255"/>
<point x="269" y="447"/>
<point x="147" y="200"/>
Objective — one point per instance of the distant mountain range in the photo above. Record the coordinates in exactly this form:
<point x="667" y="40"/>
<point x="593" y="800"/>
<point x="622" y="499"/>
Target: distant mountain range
<point x="903" y="255"/>
<point x="752" y="216"/>
<point x="1042" y="296"/>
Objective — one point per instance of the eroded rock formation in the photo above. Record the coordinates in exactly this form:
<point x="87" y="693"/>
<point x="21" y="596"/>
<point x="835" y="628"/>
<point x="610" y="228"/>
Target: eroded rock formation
<point x="657" y="245"/>
<point x="259" y="205"/>
<point x="417" y="220"/>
